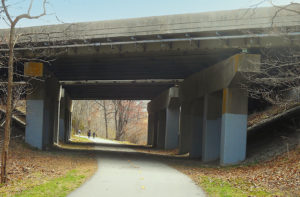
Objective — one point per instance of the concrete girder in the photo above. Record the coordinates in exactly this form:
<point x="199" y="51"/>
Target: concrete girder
<point x="165" y="26"/>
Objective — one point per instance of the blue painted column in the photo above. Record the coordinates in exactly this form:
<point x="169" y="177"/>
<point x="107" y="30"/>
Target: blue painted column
<point x="212" y="126"/>
<point x="35" y="113"/>
<point x="40" y="117"/>
<point x="172" y="128"/>
<point x="234" y="126"/>
<point x="34" y="122"/>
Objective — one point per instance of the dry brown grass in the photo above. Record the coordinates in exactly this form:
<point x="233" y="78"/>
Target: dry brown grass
<point x="28" y="167"/>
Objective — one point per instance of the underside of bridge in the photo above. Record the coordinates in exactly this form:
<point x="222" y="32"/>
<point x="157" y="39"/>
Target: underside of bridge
<point x="189" y="66"/>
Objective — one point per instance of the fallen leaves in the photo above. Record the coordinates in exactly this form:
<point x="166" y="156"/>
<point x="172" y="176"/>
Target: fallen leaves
<point x="28" y="167"/>
<point x="279" y="174"/>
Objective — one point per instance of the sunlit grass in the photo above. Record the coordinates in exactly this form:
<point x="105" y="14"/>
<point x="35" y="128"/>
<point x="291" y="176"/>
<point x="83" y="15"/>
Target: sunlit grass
<point x="239" y="188"/>
<point x="75" y="138"/>
<point x="58" y="187"/>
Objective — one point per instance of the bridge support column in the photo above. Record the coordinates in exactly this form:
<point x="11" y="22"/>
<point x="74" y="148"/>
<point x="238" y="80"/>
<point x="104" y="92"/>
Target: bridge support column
<point x="68" y="118"/>
<point x="151" y="125"/>
<point x="152" y="129"/>
<point x="62" y="117"/>
<point x="161" y="133"/>
<point x="40" y="118"/>
<point x="185" y="136"/>
<point x="212" y="126"/>
<point x="234" y="126"/>
<point x="57" y="109"/>
<point x="172" y="128"/>
<point x="197" y="128"/>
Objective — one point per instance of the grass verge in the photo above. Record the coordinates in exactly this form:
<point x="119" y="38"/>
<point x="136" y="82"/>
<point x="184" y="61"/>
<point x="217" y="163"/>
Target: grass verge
<point x="57" y="187"/>
<point x="239" y="188"/>
<point x="79" y="139"/>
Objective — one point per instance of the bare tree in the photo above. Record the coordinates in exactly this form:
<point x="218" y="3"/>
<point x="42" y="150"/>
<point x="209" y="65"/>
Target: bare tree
<point x="105" y="106"/>
<point x="279" y="69"/>
<point x="125" y="113"/>
<point x="12" y="22"/>
<point x="278" y="76"/>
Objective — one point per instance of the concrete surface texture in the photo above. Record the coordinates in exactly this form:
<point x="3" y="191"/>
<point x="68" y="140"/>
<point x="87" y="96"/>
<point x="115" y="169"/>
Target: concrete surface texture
<point x="131" y="176"/>
<point x="198" y="22"/>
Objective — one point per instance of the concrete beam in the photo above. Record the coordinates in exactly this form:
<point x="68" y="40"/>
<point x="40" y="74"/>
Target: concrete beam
<point x="168" y="98"/>
<point x="218" y="76"/>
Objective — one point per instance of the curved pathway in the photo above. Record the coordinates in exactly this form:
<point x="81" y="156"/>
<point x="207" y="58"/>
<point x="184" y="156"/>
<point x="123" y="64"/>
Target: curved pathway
<point x="120" y="175"/>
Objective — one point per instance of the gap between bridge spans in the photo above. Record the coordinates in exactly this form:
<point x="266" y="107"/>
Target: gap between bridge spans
<point x="113" y="82"/>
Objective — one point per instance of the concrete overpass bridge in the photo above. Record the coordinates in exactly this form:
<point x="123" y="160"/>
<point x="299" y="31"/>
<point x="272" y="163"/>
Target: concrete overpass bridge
<point x="189" y="66"/>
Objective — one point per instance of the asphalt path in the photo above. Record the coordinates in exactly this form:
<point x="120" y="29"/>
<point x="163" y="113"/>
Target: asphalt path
<point x="130" y="175"/>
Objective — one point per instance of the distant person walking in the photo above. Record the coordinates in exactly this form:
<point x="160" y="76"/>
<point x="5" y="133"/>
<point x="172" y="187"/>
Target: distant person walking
<point x="94" y="134"/>
<point x="79" y="132"/>
<point x="89" y="133"/>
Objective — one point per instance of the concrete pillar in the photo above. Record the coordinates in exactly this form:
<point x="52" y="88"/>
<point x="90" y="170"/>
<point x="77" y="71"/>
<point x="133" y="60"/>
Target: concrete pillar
<point x="172" y="128"/>
<point x="35" y="105"/>
<point x="185" y="132"/>
<point x="161" y="132"/>
<point x="62" y="117"/>
<point x="234" y="126"/>
<point x="197" y="128"/>
<point x="212" y="126"/>
<point x="57" y="115"/>
<point x="68" y="117"/>
<point x="155" y="131"/>
<point x="152" y="129"/>
<point x="41" y="113"/>
<point x="151" y="125"/>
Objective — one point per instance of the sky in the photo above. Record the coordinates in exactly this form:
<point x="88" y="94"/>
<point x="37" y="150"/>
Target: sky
<point x="69" y="11"/>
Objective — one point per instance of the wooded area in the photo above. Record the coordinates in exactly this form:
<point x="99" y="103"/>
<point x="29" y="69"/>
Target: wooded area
<point x="123" y="120"/>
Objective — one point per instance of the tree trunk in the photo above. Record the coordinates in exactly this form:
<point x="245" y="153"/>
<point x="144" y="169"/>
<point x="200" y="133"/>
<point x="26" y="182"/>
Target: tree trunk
<point x="8" y="107"/>
<point x="105" y="119"/>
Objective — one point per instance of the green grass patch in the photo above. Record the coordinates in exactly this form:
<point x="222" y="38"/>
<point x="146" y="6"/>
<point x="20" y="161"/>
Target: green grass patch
<point x="58" y="187"/>
<point x="79" y="139"/>
<point x="239" y="188"/>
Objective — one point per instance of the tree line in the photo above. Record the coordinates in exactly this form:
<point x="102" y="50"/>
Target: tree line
<point x="124" y="120"/>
